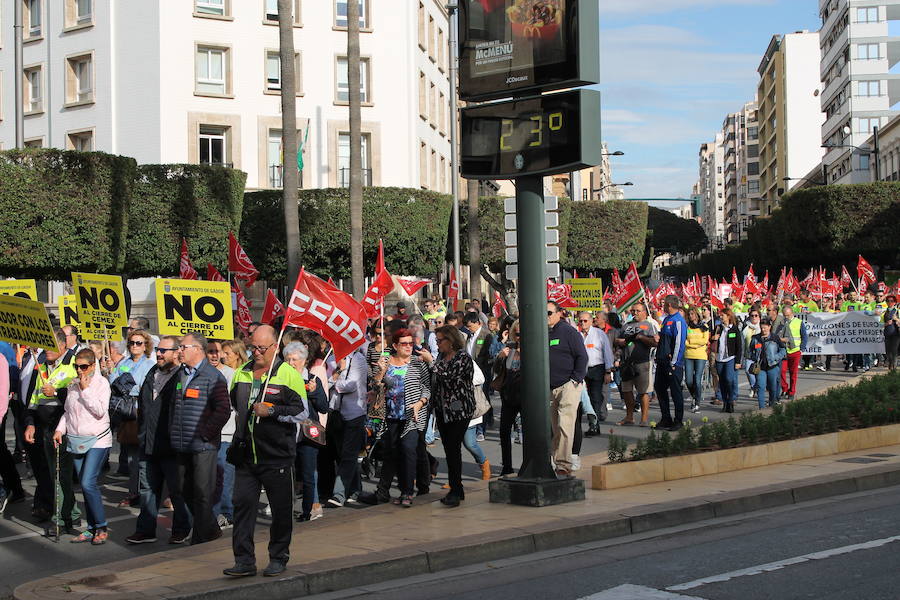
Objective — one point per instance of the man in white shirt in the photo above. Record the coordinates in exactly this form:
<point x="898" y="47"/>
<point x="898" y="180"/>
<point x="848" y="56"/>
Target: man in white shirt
<point x="600" y="364"/>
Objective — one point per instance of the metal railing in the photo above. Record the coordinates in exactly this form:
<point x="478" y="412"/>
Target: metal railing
<point x="344" y="177"/>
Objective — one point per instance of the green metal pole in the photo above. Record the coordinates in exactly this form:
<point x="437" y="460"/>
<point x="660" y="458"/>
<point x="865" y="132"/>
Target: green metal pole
<point x="534" y="335"/>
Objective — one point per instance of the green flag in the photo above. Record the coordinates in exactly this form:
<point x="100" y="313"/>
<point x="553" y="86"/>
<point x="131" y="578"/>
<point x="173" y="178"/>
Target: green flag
<point x="300" y="149"/>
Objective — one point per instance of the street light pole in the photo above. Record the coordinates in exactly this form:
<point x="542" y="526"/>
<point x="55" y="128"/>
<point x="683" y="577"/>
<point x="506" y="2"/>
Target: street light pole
<point x="17" y="76"/>
<point x="454" y="126"/>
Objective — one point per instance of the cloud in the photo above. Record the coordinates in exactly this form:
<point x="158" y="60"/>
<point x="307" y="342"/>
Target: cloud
<point x="651" y="34"/>
<point x="614" y="115"/>
<point x="647" y="7"/>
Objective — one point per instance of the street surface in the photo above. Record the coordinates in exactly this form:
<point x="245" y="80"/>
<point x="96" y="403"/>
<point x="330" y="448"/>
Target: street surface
<point x="834" y="549"/>
<point x="26" y="555"/>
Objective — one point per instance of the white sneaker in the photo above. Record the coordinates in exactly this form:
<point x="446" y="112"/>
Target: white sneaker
<point x="576" y="462"/>
<point x="316" y="512"/>
<point x="695" y="408"/>
<point x="609" y="406"/>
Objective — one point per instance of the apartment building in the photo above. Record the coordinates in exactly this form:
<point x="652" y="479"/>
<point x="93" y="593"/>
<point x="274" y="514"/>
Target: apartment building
<point x="198" y="81"/>
<point x="858" y="86"/>
<point x="710" y="190"/>
<point x="789" y="115"/>
<point x="740" y="132"/>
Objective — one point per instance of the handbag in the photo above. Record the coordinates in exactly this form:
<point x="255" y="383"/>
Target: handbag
<point x="313" y="431"/>
<point x="80" y="444"/>
<point x="499" y="377"/>
<point x="628" y="370"/>
<point x="236" y="454"/>
<point x="482" y="404"/>
<point x="755" y="368"/>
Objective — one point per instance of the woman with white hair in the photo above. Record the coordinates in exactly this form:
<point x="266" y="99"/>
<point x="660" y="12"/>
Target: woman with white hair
<point x="296" y="355"/>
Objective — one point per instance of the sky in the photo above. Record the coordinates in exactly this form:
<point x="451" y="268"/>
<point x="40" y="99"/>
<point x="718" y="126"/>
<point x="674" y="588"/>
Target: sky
<point x="670" y="72"/>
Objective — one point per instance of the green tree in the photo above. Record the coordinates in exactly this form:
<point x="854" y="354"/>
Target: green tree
<point x="674" y="234"/>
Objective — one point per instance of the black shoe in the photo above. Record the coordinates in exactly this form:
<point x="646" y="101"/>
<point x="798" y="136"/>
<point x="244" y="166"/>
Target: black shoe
<point x="240" y="571"/>
<point x="17" y="496"/>
<point x="71" y="527"/>
<point x="41" y="514"/>
<point x="675" y="427"/>
<point x="664" y="424"/>
<point x="140" y="538"/>
<point x="422" y="491"/>
<point x="506" y="471"/>
<point x="450" y="500"/>
<point x="275" y="567"/>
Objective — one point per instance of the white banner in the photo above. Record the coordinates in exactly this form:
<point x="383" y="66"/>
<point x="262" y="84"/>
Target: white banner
<point x="843" y="333"/>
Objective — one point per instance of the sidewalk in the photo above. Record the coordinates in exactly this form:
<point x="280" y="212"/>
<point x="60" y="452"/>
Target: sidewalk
<point x="350" y="548"/>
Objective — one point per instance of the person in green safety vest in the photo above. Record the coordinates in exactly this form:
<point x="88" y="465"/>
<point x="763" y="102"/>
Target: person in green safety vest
<point x="45" y="408"/>
<point x="806" y="305"/>
<point x="792" y="332"/>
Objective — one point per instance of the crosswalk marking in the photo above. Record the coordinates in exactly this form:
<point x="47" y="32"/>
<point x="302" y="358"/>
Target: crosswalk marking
<point x="637" y="592"/>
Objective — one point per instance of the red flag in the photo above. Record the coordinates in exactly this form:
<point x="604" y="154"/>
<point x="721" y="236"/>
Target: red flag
<point x="242" y="306"/>
<point x="212" y="273"/>
<point x="865" y="271"/>
<point x="806" y="280"/>
<point x="750" y="275"/>
<point x="383" y="285"/>
<point x="185" y="269"/>
<point x="452" y="290"/>
<point x="331" y="282"/>
<point x="239" y="263"/>
<point x="616" y="282"/>
<point x="499" y="306"/>
<point x="323" y="308"/>
<point x="717" y="297"/>
<point x="765" y="282"/>
<point x="273" y="309"/>
<point x="631" y="291"/>
<point x="561" y="294"/>
<point x="411" y="285"/>
<point x="846" y="280"/>
<point x="792" y="286"/>
<point x="574" y="273"/>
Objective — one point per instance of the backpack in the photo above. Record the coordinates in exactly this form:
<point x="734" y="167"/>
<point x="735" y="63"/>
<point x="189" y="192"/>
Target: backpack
<point x="122" y="405"/>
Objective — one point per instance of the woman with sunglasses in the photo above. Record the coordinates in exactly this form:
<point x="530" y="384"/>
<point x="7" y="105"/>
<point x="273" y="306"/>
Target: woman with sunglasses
<point x="135" y="364"/>
<point x="85" y="424"/>
<point x="406" y="382"/>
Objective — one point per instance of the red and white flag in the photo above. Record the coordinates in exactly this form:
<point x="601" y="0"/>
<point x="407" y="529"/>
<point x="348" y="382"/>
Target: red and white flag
<point x="631" y="290"/>
<point x="865" y="271"/>
<point x="373" y="300"/>
<point x="212" y="273"/>
<point x="185" y="269"/>
<point x="499" y="306"/>
<point x="846" y="280"/>
<point x="242" y="306"/>
<point x="806" y="281"/>
<point x="239" y="263"/>
<point x="561" y="294"/>
<point x="750" y="275"/>
<point x="323" y="308"/>
<point x="717" y="296"/>
<point x="453" y="290"/>
<point x="411" y="285"/>
<point x="273" y="308"/>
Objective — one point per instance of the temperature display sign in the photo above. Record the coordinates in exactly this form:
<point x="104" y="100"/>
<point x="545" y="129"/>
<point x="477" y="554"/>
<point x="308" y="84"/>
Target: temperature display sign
<point x="541" y="135"/>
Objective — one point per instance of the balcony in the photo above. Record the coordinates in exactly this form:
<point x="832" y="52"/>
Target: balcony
<point x="344" y="177"/>
<point x="276" y="177"/>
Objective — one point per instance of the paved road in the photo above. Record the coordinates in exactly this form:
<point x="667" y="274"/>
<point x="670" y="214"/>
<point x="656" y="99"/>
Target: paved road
<point x="26" y="555"/>
<point x="835" y="549"/>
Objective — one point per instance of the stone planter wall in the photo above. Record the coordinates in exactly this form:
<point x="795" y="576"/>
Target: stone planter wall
<point x="619" y="475"/>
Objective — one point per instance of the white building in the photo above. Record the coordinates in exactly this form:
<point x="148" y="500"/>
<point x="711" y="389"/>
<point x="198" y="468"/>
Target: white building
<point x="198" y="81"/>
<point x="711" y="189"/>
<point x="859" y="87"/>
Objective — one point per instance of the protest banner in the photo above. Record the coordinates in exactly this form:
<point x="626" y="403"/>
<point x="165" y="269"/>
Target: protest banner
<point x="588" y="292"/>
<point x="843" y="333"/>
<point x="68" y="310"/>
<point x="184" y="306"/>
<point x="23" y="288"/>
<point x="101" y="299"/>
<point x="68" y="315"/>
<point x="25" y="321"/>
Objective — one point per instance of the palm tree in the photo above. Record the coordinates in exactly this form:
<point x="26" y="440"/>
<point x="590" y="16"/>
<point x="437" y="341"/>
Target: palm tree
<point x="356" y="219"/>
<point x="474" y="229"/>
<point x="290" y="172"/>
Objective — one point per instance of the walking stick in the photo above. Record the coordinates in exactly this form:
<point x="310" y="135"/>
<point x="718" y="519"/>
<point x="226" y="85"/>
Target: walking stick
<point x="56" y="494"/>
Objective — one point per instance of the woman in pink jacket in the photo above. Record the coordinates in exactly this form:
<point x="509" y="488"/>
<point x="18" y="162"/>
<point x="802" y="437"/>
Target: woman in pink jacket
<point x="85" y="426"/>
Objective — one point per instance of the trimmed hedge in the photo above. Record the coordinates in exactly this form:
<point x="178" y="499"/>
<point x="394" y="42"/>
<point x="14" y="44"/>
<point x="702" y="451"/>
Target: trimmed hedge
<point x="822" y="226"/>
<point x="63" y="211"/>
<point x="606" y="235"/>
<point x="869" y="403"/>
<point x="412" y="223"/>
<point x="199" y="202"/>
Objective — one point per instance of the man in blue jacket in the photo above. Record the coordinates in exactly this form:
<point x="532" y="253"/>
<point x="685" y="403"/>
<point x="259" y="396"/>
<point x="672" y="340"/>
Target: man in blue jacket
<point x="200" y="408"/>
<point x="670" y="364"/>
<point x="568" y="366"/>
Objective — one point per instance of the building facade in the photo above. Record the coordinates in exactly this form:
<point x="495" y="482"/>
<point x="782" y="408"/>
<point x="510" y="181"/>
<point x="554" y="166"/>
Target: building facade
<point x="858" y="87"/>
<point x="711" y="190"/>
<point x="790" y="116"/>
<point x="740" y="131"/>
<point x="198" y="81"/>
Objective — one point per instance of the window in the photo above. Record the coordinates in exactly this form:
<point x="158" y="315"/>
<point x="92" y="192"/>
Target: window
<point x="443" y="174"/>
<point x="432" y="103"/>
<point x="210" y="7"/>
<point x="423" y="99"/>
<point x="78" y="12"/>
<point x="867" y="125"/>
<point x="868" y="14"/>
<point x="344" y="160"/>
<point x="433" y="169"/>
<point x="753" y="187"/>
<point x="343" y="85"/>
<point x="431" y="44"/>
<point x="340" y="13"/>
<point x="81" y="141"/>
<point x="719" y="169"/>
<point x="273" y="72"/>
<point x="442" y="50"/>
<point x="423" y="165"/>
<point x="34" y="101"/>
<point x="753" y="133"/>
<point x="868" y="88"/>
<point x="867" y="51"/>
<point x="275" y="159"/>
<point x="442" y="113"/>
<point x="37" y="142"/>
<point x="212" y="70"/>
<point x="272" y="15"/>
<point x="423" y="43"/>
<point x="752" y="150"/>
<point x="79" y="79"/>
<point x="864" y="162"/>
<point x="212" y="145"/>
<point x="271" y="11"/>
<point x="33" y="17"/>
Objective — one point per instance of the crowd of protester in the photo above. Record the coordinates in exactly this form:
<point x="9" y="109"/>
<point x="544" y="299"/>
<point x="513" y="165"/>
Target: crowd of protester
<point x="204" y="426"/>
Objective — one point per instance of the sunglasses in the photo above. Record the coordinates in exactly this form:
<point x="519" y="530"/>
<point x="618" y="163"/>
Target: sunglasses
<point x="260" y="349"/>
<point x="83" y="367"/>
<point x="404" y="343"/>
<point x="136" y="342"/>
<point x="550" y="313"/>
<point x="584" y="320"/>
<point x="164" y="350"/>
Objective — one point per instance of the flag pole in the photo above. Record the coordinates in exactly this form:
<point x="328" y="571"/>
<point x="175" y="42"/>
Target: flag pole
<point x="272" y="365"/>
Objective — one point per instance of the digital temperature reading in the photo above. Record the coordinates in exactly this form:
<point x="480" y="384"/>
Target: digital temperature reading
<point x="531" y="136"/>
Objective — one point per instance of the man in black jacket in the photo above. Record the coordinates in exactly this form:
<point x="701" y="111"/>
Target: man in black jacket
<point x="157" y="459"/>
<point x="264" y="393"/>
<point x="568" y="366"/>
<point x="200" y="408"/>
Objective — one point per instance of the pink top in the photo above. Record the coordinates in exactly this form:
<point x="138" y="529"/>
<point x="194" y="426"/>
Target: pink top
<point x="318" y="369"/>
<point x="87" y="411"/>
<point x="4" y="386"/>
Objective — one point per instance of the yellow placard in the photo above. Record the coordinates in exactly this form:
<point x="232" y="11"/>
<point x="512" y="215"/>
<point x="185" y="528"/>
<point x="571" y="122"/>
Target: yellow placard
<point x="587" y="292"/>
<point x="24" y="321"/>
<point x="68" y="315"/>
<point x="101" y="299"/>
<point x="23" y="288"/>
<point x="68" y="310"/>
<point x="185" y="306"/>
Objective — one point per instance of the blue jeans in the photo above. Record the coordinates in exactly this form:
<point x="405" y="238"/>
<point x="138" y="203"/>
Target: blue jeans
<point x="307" y="459"/>
<point x="727" y="380"/>
<point x="88" y="466"/>
<point x="586" y="402"/>
<point x="471" y="444"/>
<point x="768" y="380"/>
<point x="225" y="506"/>
<point x="430" y="430"/>
<point x="154" y="472"/>
<point x="693" y="376"/>
<point x="751" y="378"/>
